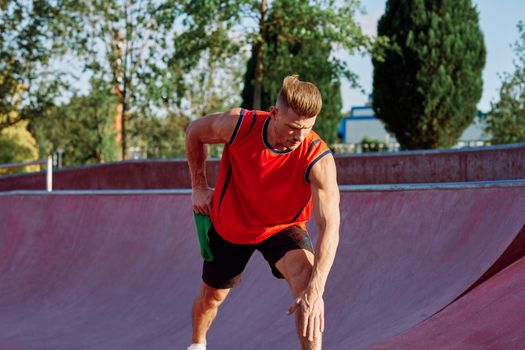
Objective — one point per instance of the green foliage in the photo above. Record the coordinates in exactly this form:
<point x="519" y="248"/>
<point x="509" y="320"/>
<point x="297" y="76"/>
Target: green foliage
<point x="298" y="38"/>
<point x="26" y="46"/>
<point x="506" y="119"/>
<point x="372" y="145"/>
<point x="213" y="85"/>
<point x="17" y="145"/>
<point x="428" y="84"/>
<point x="135" y="38"/>
<point x="162" y="59"/>
<point x="82" y="128"/>
<point x="159" y="63"/>
<point x="160" y="137"/>
<point x="209" y="58"/>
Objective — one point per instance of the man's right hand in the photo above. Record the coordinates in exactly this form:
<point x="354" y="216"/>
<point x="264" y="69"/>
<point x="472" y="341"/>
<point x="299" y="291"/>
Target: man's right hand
<point x="201" y="199"/>
<point x="211" y="129"/>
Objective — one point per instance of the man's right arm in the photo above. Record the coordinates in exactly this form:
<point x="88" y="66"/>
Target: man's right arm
<point x="211" y="129"/>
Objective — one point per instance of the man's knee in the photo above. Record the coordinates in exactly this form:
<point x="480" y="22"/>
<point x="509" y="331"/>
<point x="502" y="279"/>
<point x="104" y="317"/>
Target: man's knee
<point x="212" y="297"/>
<point x="299" y="281"/>
<point x="297" y="269"/>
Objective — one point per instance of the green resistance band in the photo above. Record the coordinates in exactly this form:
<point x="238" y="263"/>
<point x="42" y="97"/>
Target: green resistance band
<point x="203" y="224"/>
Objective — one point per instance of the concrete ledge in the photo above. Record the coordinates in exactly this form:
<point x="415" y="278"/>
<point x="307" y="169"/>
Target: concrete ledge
<point x="435" y="166"/>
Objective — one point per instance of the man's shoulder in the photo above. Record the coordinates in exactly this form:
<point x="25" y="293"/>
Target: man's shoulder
<point x="313" y="140"/>
<point x="234" y="112"/>
<point x="312" y="135"/>
<point x="245" y="113"/>
<point x="260" y="113"/>
<point x="316" y="148"/>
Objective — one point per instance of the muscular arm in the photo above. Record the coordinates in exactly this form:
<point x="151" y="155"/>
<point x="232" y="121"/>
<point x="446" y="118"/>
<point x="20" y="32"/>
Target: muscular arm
<point x="211" y="129"/>
<point x="325" y="197"/>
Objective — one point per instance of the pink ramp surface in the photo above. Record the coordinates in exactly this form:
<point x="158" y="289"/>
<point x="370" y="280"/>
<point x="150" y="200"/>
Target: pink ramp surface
<point x="119" y="270"/>
<point x="492" y="316"/>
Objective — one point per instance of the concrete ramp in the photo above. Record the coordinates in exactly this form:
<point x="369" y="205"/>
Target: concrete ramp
<point x="492" y="316"/>
<point x="410" y="253"/>
<point x="119" y="270"/>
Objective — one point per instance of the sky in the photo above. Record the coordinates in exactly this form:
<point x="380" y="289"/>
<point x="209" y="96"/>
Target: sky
<point x="498" y="22"/>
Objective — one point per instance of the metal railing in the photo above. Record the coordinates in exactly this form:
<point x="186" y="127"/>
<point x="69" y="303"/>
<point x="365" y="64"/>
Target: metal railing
<point x="49" y="169"/>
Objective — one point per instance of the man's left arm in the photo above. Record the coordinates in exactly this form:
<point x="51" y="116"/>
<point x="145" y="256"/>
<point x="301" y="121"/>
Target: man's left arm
<point x="325" y="197"/>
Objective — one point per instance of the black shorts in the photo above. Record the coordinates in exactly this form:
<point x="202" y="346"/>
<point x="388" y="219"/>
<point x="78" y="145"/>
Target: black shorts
<point x="229" y="259"/>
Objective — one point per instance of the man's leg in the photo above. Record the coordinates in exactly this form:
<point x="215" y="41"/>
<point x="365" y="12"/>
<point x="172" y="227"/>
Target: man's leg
<point x="204" y="311"/>
<point x="219" y="276"/>
<point x="296" y="267"/>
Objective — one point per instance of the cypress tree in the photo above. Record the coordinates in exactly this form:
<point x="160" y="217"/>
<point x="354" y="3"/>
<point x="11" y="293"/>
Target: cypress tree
<point x="429" y="81"/>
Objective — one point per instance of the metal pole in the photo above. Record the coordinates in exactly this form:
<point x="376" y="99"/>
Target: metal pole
<point x="49" y="176"/>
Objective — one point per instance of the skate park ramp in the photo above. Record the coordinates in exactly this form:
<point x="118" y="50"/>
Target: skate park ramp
<point x="120" y="269"/>
<point x="490" y="317"/>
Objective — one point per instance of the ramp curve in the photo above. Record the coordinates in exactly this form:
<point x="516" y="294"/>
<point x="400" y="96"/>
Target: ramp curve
<point x="492" y="316"/>
<point x="119" y="270"/>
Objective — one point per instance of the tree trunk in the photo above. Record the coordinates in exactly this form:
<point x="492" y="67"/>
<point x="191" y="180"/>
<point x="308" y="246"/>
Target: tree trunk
<point x="119" y="120"/>
<point x="123" y="126"/>
<point x="259" y="58"/>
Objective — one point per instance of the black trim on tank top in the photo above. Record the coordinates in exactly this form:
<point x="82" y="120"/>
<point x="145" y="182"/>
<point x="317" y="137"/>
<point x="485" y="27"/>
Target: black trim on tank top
<point x="265" y="139"/>
<point x="237" y="127"/>
<point x="314" y="142"/>
<point x="299" y="213"/>
<point x="226" y="183"/>
<point x="307" y="172"/>
<point x="253" y="121"/>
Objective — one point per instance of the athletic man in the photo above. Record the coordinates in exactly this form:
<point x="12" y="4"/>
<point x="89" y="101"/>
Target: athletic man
<point x="273" y="171"/>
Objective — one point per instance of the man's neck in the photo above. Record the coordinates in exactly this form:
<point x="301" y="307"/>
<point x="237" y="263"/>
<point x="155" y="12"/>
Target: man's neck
<point x="272" y="139"/>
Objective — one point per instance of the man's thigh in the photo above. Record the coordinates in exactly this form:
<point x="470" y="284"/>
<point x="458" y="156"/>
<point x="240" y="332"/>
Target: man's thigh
<point x="288" y="252"/>
<point x="229" y="261"/>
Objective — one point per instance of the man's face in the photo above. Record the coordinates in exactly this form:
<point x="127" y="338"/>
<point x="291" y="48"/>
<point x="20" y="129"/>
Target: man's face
<point x="290" y="129"/>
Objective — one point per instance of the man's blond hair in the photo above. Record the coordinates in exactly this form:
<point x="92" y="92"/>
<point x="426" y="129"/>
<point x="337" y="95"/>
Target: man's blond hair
<point x="302" y="97"/>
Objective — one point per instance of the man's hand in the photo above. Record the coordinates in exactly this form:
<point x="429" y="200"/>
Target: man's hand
<point x="201" y="199"/>
<point x="311" y="307"/>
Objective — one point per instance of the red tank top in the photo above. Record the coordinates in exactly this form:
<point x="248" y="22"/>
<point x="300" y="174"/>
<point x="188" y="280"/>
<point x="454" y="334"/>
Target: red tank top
<point x="261" y="191"/>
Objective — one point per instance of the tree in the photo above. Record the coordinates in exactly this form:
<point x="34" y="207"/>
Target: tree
<point x="27" y="30"/>
<point x="304" y="34"/>
<point x="128" y="43"/>
<point x="204" y="70"/>
<point x="506" y="119"/>
<point x="160" y="137"/>
<point x="17" y="145"/>
<point x="162" y="58"/>
<point x="298" y="37"/>
<point x="429" y="81"/>
<point x="82" y="127"/>
<point x="208" y="59"/>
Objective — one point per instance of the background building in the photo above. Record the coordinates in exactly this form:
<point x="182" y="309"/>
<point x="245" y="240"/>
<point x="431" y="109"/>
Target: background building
<point x="361" y="131"/>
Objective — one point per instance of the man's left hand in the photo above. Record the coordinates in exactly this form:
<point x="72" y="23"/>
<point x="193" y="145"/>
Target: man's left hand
<point x="311" y="307"/>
